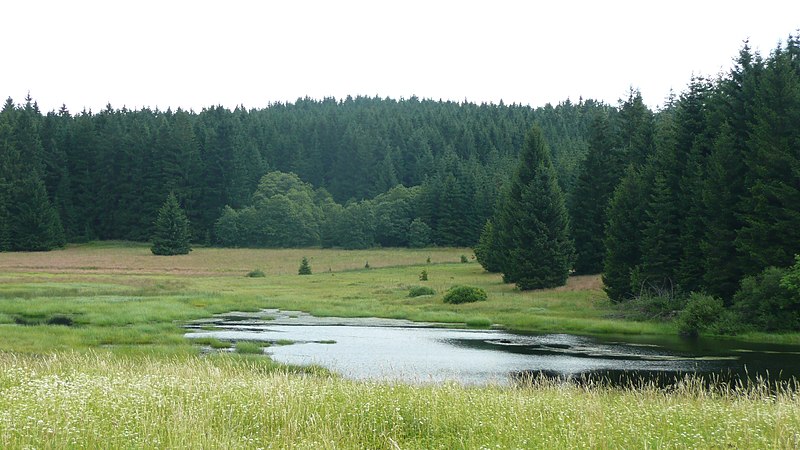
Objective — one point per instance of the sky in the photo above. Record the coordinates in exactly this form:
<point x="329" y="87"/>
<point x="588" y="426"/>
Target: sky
<point x="196" y="54"/>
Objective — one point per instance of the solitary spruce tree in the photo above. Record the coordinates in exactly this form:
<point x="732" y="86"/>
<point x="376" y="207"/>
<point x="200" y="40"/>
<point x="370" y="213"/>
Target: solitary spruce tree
<point x="305" y="267"/>
<point x="532" y="223"/>
<point x="172" y="229"/>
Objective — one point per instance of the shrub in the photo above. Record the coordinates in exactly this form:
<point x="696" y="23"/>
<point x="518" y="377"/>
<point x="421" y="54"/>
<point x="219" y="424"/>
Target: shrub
<point x="423" y="276"/>
<point x="305" y="268"/>
<point x="464" y="259"/>
<point x="700" y="314"/>
<point x="791" y="281"/>
<point x="366" y="265"/>
<point x="256" y="273"/>
<point x="417" y="291"/>
<point x="464" y="294"/>
<point x="767" y="302"/>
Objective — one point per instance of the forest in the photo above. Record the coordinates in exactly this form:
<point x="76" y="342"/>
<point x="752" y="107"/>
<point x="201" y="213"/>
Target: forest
<point x="693" y="208"/>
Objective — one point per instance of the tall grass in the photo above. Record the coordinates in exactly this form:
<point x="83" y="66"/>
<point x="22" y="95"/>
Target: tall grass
<point x="94" y="400"/>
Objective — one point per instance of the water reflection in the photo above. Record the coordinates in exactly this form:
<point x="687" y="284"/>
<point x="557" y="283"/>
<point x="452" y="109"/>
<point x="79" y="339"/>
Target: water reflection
<point x="387" y="349"/>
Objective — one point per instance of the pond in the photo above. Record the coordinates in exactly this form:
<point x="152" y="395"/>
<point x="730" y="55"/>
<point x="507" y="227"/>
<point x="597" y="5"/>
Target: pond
<point x="388" y="349"/>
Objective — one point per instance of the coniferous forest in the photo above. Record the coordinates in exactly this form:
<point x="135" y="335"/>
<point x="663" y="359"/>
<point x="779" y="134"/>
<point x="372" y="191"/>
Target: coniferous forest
<point x="692" y="208"/>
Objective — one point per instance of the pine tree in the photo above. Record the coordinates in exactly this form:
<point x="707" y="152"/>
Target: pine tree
<point x="532" y="224"/>
<point x="172" y="231"/>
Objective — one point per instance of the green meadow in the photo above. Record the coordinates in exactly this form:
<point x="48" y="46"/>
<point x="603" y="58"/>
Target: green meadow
<point x="93" y="356"/>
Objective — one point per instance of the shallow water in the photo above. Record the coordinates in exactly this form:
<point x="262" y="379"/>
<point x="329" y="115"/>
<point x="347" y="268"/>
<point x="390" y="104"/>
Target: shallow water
<point x="387" y="349"/>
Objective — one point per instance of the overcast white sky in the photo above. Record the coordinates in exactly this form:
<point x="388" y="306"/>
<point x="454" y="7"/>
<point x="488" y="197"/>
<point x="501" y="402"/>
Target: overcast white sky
<point x="192" y="54"/>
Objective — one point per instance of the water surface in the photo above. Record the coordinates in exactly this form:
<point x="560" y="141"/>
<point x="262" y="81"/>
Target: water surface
<point x="388" y="349"/>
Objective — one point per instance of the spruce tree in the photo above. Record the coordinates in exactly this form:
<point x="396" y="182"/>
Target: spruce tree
<point x="305" y="267"/>
<point x="532" y="223"/>
<point x="596" y="182"/>
<point x="624" y="234"/>
<point x="771" y="235"/>
<point x="171" y="229"/>
<point x="34" y="223"/>
<point x="486" y="252"/>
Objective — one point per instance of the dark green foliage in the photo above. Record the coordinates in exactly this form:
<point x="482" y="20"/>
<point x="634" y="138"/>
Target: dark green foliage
<point x="464" y="259"/>
<point x="770" y="235"/>
<point x="701" y="312"/>
<point x="28" y="221"/>
<point x="285" y="212"/>
<point x="256" y="273"/>
<point x="532" y="224"/>
<point x="595" y="185"/>
<point x="417" y="291"/>
<point x="107" y="173"/>
<point x="464" y="294"/>
<point x="791" y="281"/>
<point x="305" y="267"/>
<point x="172" y="230"/>
<point x="767" y="301"/>
<point x="394" y="212"/>
<point x="423" y="276"/>
<point x="624" y="236"/>
<point x="419" y="234"/>
<point x="487" y="252"/>
<point x="34" y="224"/>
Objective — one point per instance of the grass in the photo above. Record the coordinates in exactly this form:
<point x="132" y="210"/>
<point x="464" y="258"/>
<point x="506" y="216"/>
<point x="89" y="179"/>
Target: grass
<point x="95" y="400"/>
<point x="250" y="348"/>
<point x="119" y="372"/>
<point x="132" y="298"/>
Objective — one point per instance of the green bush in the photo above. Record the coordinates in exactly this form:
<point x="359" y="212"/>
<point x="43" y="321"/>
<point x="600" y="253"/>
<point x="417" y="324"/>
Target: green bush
<point x="256" y="273"/>
<point x="700" y="314"/>
<point x="791" y="281"/>
<point x="767" y="302"/>
<point x="417" y="291"/>
<point x="464" y="294"/>
<point x="464" y="259"/>
<point x="423" y="276"/>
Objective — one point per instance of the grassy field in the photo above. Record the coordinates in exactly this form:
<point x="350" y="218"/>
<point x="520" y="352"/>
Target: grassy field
<point x="121" y="297"/>
<point x="97" y="401"/>
<point x="93" y="356"/>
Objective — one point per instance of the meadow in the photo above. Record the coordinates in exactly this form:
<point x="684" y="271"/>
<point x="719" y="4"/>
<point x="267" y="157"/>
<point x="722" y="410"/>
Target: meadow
<point x="93" y="355"/>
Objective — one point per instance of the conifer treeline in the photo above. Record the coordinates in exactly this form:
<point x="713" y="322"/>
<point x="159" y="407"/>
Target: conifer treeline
<point x="715" y="207"/>
<point x="106" y="174"/>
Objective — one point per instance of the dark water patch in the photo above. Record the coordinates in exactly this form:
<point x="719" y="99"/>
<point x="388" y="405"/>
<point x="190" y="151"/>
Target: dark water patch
<point x="55" y="319"/>
<point x="725" y="381"/>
